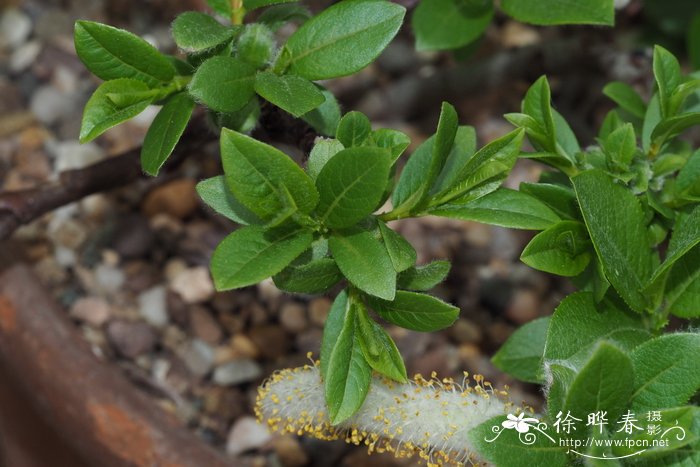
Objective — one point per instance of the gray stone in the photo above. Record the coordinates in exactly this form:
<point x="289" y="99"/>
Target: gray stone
<point x="24" y="56"/>
<point x="237" y="372"/>
<point x="246" y="434"/>
<point x="131" y="339"/>
<point x="193" y="285"/>
<point x="91" y="310"/>
<point x="15" y="27"/>
<point x="73" y="155"/>
<point x="49" y="105"/>
<point x="293" y="317"/>
<point x="198" y="356"/>
<point x="152" y="306"/>
<point x="109" y="278"/>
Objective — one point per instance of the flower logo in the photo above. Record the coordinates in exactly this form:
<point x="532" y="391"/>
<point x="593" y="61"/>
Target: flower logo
<point x="519" y="423"/>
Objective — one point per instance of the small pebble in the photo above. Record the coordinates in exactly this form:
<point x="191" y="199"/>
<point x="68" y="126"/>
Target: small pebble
<point x="204" y="326"/>
<point x="237" y="372"/>
<point x="15" y="27"/>
<point x="524" y="306"/>
<point x="91" y="310"/>
<point x="49" y="105"/>
<point x="318" y="310"/>
<point x="198" y="356"/>
<point x="293" y="317"/>
<point x="271" y="340"/>
<point x="289" y="451"/>
<point x="73" y="155"/>
<point x="109" y="278"/>
<point x="177" y="198"/>
<point x="131" y="339"/>
<point x="133" y="237"/>
<point x="194" y="285"/>
<point x="246" y="434"/>
<point x="24" y="56"/>
<point x="465" y="331"/>
<point x="153" y="306"/>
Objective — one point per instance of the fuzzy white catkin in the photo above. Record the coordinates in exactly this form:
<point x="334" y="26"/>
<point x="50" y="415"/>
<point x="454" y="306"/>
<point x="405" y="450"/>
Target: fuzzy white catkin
<point x="430" y="418"/>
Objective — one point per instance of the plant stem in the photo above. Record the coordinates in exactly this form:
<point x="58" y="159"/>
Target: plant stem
<point x="237" y="12"/>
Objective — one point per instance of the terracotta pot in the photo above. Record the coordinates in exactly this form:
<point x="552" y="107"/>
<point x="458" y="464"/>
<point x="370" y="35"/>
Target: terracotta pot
<point x="78" y="409"/>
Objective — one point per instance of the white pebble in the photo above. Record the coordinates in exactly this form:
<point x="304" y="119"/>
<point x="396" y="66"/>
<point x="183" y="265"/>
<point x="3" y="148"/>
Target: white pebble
<point x="153" y="306"/>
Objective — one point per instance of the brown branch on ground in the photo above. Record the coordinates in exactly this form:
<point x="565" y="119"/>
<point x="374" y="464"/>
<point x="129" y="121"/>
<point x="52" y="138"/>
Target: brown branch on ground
<point x="22" y="207"/>
<point x="18" y="208"/>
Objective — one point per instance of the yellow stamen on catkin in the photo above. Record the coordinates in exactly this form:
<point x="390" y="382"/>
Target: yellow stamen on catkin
<point x="427" y="417"/>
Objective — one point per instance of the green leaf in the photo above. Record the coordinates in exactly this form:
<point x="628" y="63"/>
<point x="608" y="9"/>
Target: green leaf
<point x="559" y="379"/>
<point x="291" y="93"/>
<point x="224" y="84"/>
<point x="680" y="427"/>
<point x="617" y="227"/>
<point x="393" y="140"/>
<point x="666" y="372"/>
<point x="462" y="150"/>
<point x="326" y="117"/>
<point x="537" y="104"/>
<point x="351" y="185"/>
<point x="314" y="277"/>
<point x="427" y="162"/>
<point x="365" y="262"/>
<point x="101" y="113"/>
<point x="112" y="53"/>
<point x="551" y="12"/>
<point x="256" y="173"/>
<point x="504" y="207"/>
<point x="567" y="144"/>
<point x="442" y="145"/>
<point x="562" y="249"/>
<point x="278" y="15"/>
<point x="354" y="128"/>
<point x="443" y="24"/>
<point x="256" y="45"/>
<point x="560" y="199"/>
<point x="651" y="120"/>
<point x="251" y="254"/>
<point x="321" y="153"/>
<point x="422" y="278"/>
<point x="342" y="39"/>
<point x="693" y="41"/>
<point x="674" y="126"/>
<point x="685" y="237"/>
<point x="217" y="196"/>
<point x="578" y="323"/>
<point x="348" y="374"/>
<point x="667" y="72"/>
<point x="254" y="4"/>
<point x="688" y="179"/>
<point x="165" y="132"/>
<point x="484" y="172"/>
<point x="377" y="347"/>
<point x="416" y="311"/>
<point x="335" y="321"/>
<point x="509" y="450"/>
<point x="683" y="286"/>
<point x="197" y="32"/>
<point x="521" y="355"/>
<point x="602" y="383"/>
<point x="407" y="193"/>
<point x="626" y="97"/>
<point x="222" y="7"/>
<point x="621" y="146"/>
<point x="402" y="254"/>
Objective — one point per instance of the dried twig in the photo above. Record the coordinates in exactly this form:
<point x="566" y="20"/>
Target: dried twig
<point x="21" y="207"/>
